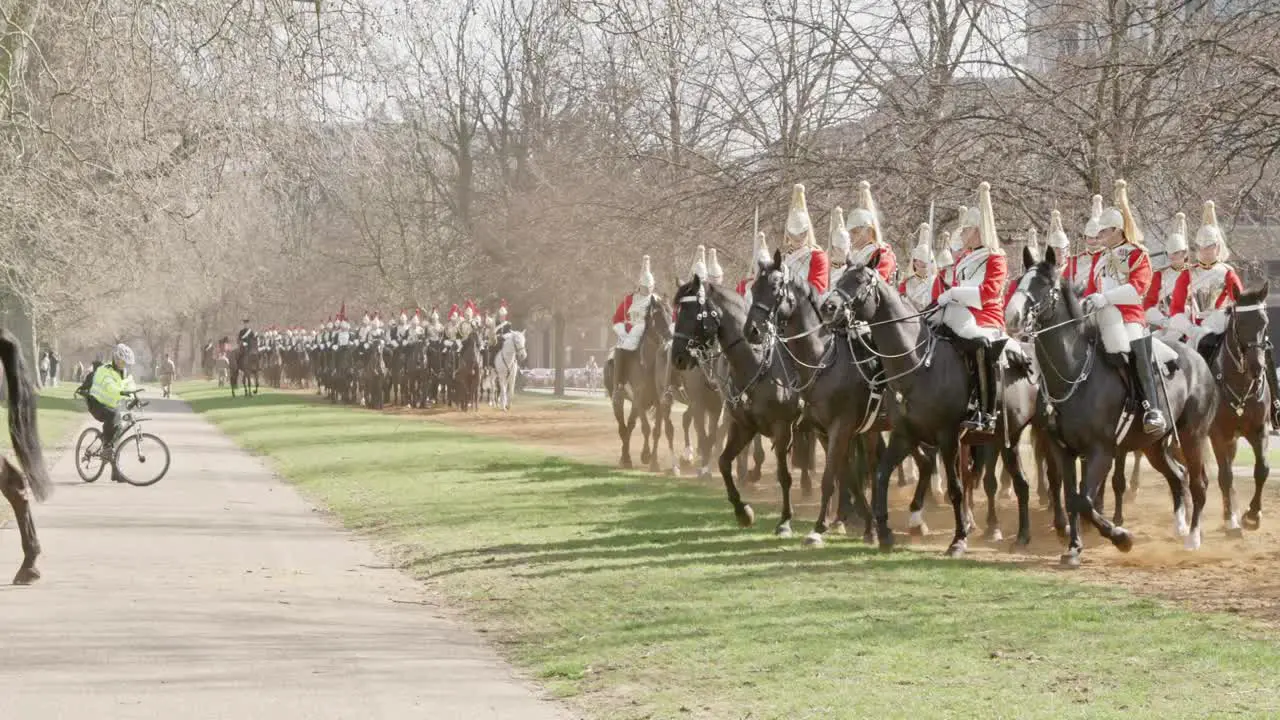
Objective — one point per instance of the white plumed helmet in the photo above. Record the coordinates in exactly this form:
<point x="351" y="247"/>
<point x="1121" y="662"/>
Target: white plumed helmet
<point x="923" y="250"/>
<point x="798" y="224"/>
<point x="1177" y="241"/>
<point x="1210" y="234"/>
<point x="715" y="273"/>
<point x="866" y="214"/>
<point x="699" y="267"/>
<point x="837" y="235"/>
<point x="646" y="276"/>
<point x="1057" y="238"/>
<point x="1092" y="228"/>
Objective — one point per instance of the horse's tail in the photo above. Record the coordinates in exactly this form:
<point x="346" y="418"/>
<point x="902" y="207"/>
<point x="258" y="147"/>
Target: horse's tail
<point x="23" y="431"/>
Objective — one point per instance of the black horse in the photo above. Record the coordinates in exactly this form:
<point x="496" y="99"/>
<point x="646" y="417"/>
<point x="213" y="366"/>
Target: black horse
<point x="931" y="384"/>
<point x="758" y="398"/>
<point x="245" y="361"/>
<point x="1088" y="399"/>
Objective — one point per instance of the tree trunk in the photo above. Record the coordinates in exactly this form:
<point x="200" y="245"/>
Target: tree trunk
<point x="557" y="350"/>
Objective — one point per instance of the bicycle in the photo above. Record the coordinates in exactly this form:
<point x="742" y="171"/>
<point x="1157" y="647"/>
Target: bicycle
<point x="134" y="450"/>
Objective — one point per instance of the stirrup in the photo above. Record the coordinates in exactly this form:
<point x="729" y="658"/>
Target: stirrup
<point x="1153" y="422"/>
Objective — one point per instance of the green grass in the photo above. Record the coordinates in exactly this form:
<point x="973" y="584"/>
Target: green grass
<point x="635" y="596"/>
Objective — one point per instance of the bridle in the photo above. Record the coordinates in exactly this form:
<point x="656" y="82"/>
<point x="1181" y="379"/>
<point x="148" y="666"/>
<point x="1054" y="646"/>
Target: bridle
<point x="702" y="347"/>
<point x="1236" y="350"/>
<point x="1036" y="311"/>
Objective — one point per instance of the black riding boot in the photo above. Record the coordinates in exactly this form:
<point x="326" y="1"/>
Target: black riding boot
<point x="981" y="420"/>
<point x="1271" y="387"/>
<point x="620" y="361"/>
<point x="1153" y="422"/>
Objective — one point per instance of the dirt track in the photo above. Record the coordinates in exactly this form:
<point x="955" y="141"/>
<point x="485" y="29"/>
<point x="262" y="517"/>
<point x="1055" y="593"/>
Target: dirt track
<point x="1237" y="576"/>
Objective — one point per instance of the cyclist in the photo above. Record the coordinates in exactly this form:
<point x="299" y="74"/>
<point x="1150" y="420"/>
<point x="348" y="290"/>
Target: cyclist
<point x="110" y="382"/>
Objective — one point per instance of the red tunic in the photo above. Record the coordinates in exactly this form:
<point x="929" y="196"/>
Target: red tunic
<point x="1231" y="289"/>
<point x="994" y="270"/>
<point x="743" y="287"/>
<point x="1138" y="275"/>
<point x="623" y="313"/>
<point x="888" y="265"/>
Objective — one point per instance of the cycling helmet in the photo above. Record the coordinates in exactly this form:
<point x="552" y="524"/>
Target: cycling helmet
<point x="123" y="354"/>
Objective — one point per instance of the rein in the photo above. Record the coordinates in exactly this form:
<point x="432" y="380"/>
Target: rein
<point x="1236" y="349"/>
<point x="1035" y="310"/>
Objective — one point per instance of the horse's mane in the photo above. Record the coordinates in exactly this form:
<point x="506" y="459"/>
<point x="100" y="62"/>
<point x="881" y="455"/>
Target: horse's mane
<point x="1071" y="298"/>
<point x="1254" y="296"/>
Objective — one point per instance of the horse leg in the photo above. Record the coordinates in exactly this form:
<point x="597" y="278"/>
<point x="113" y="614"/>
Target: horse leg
<point x="873" y="446"/>
<point x="1224" y="449"/>
<point x="757" y="454"/>
<point x="1053" y="462"/>
<point x="991" y="484"/>
<point x="839" y="437"/>
<point x="926" y="466"/>
<point x="671" y="437"/>
<point x="1258" y="441"/>
<point x="15" y="490"/>
<point x="1119" y="483"/>
<point x="1135" y="475"/>
<point x="624" y="429"/>
<point x="738" y="438"/>
<point x="1096" y="467"/>
<point x="1164" y="464"/>
<point x="782" y="437"/>
<point x="1022" y="490"/>
<point x="686" y="419"/>
<point x="899" y="446"/>
<point x="1193" y="452"/>
<point x="952" y="453"/>
<point x="707" y="439"/>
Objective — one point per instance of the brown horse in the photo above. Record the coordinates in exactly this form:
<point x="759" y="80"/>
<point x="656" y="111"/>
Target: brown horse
<point x="18" y="488"/>
<point x="1239" y="366"/>
<point x="641" y="381"/>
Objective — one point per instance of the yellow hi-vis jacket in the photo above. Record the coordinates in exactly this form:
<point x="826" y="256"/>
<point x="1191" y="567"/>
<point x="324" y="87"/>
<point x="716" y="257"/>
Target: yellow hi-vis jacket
<point x="108" y="386"/>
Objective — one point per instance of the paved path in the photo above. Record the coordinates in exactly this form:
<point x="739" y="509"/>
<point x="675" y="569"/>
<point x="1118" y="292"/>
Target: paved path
<point x="220" y="593"/>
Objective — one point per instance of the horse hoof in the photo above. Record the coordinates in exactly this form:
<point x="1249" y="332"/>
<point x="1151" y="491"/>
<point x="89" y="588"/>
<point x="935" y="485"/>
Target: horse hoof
<point x="849" y="531"/>
<point x="704" y="474"/>
<point x="918" y="530"/>
<point x="886" y="541"/>
<point x="1180" y="526"/>
<point x="783" y="531"/>
<point x="957" y="549"/>
<point x="1022" y="543"/>
<point x="993" y="535"/>
<point x="1061" y="532"/>
<point x="814" y="540"/>
<point x="1070" y="559"/>
<point x="1122" y="539"/>
<point x="1117" y="519"/>
<point x="1235" y="533"/>
<point x="26" y="576"/>
<point x="626" y="463"/>
<point x="837" y="527"/>
<point x="675" y="471"/>
<point x="806" y="492"/>
<point x="1192" y="541"/>
<point x="1251" y="521"/>
<point x="869" y="538"/>
<point x="746" y="516"/>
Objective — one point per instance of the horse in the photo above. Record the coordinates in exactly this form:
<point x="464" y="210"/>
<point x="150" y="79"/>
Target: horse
<point x="467" y="372"/>
<point x="641" y="381"/>
<point x="373" y="374"/>
<point x="32" y="480"/>
<point x="1087" y="404"/>
<point x="1239" y="366"/>
<point x="244" y="366"/>
<point x="703" y="407"/>
<point x="931" y="386"/>
<point x="832" y="376"/>
<point x="758" y="395"/>
<point x="207" y="357"/>
<point x="507" y="366"/>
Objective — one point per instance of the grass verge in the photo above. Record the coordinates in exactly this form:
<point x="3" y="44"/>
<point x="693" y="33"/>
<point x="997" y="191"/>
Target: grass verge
<point x="635" y="597"/>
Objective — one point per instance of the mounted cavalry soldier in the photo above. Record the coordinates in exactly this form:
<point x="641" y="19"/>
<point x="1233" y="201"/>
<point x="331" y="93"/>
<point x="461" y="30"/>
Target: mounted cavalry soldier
<point x="839" y="246"/>
<point x="1203" y="295"/>
<point x="918" y="287"/>
<point x="435" y="328"/>
<point x="759" y="254"/>
<point x="973" y="308"/>
<point x="715" y="273"/>
<point x="504" y="321"/>
<point x="866" y="238"/>
<point x="1120" y="280"/>
<point x="946" y="260"/>
<point x="453" y="328"/>
<point x="1057" y="239"/>
<point x="1080" y="267"/>
<point x="628" y="324"/>
<point x="801" y="254"/>
<point x="1159" y="297"/>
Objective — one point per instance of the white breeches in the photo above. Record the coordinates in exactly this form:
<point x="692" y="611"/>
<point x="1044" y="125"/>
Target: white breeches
<point x="1116" y="333"/>
<point x="960" y="320"/>
<point x="1214" y="321"/>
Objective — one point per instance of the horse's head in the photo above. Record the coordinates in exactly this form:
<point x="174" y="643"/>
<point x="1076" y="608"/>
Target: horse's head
<point x="1015" y="312"/>
<point x="1246" y="336"/>
<point x="657" y="320"/>
<point x="858" y="293"/>
<point x="517" y="342"/>
<point x="697" y="322"/>
<point x="775" y="294"/>
<point x="1043" y="297"/>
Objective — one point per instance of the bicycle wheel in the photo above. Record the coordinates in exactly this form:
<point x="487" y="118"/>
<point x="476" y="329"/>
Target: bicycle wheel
<point x="89" y="463"/>
<point x="142" y="459"/>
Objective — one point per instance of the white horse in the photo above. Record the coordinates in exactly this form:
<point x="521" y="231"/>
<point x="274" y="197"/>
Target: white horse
<point x="507" y="363"/>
